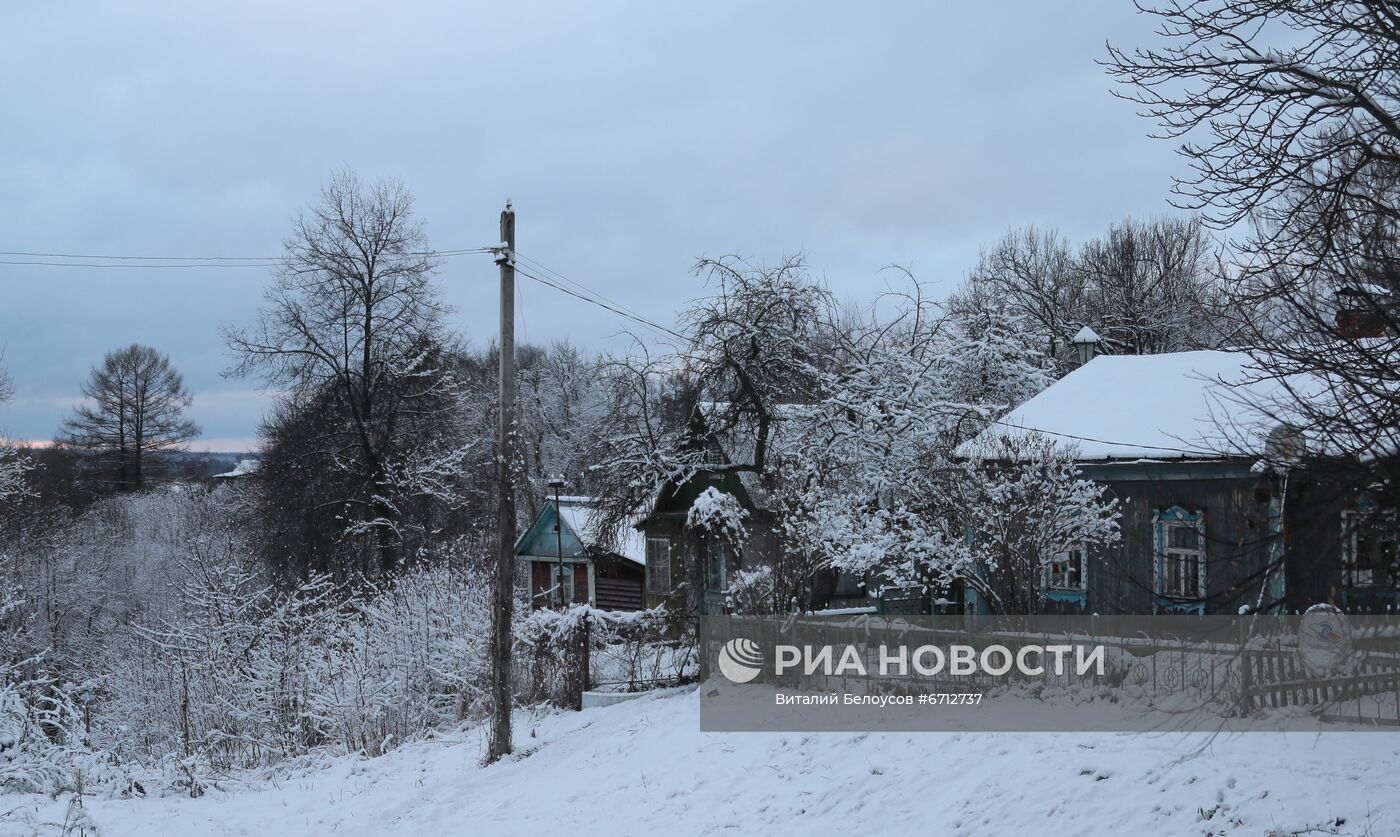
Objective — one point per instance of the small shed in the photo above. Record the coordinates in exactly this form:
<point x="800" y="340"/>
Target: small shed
<point x="557" y="553"/>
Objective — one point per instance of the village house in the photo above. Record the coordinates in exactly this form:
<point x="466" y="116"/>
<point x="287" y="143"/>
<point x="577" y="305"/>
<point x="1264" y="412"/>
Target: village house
<point x="686" y="566"/>
<point x="680" y="559"/>
<point x="1220" y="515"/>
<point x="1223" y="509"/>
<point x="562" y="566"/>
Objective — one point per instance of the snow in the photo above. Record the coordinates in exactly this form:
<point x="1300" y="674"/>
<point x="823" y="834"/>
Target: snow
<point x="244" y="468"/>
<point x="578" y="513"/>
<point x="718" y="513"/>
<point x="1182" y="405"/>
<point x="1085" y="335"/>
<point x="643" y="768"/>
<point x="849" y="611"/>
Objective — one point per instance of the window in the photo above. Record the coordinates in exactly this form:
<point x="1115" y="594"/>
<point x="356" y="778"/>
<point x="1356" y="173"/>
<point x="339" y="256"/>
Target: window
<point x="558" y="576"/>
<point x="1066" y="570"/>
<point x="1370" y="548"/>
<point x="714" y="564"/>
<point x="659" y="566"/>
<point x="1181" y="555"/>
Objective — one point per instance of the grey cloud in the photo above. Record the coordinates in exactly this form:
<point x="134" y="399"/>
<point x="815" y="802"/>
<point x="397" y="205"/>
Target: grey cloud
<point x="632" y="137"/>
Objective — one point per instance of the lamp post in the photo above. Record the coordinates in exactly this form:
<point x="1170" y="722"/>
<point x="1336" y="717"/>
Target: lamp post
<point x="1086" y="343"/>
<point x="558" y="484"/>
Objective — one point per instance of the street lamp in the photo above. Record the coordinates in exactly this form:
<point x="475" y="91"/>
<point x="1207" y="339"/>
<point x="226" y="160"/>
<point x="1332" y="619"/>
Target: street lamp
<point x="1086" y="343"/>
<point x="558" y="484"/>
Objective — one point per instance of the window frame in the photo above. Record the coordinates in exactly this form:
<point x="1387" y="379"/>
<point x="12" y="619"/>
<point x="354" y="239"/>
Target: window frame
<point x="659" y="572"/>
<point x="1049" y="580"/>
<point x="1174" y="563"/>
<point x="1352" y="534"/>
<point x="556" y="578"/>
<point x="716" y="568"/>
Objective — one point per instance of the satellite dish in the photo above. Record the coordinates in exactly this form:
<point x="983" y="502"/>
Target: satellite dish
<point x="1285" y="444"/>
<point x="1324" y="641"/>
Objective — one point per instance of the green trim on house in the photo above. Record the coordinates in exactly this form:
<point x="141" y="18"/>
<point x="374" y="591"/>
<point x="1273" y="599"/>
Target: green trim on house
<point x="1079" y="597"/>
<point x="540" y="542"/>
<point x="1165" y="603"/>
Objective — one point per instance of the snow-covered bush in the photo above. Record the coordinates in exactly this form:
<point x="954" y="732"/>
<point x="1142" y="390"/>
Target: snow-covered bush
<point x="43" y="736"/>
<point x="407" y="659"/>
<point x="192" y="662"/>
<point x="247" y="676"/>
<point x="557" y="645"/>
<point x="1025" y="500"/>
<point x="13" y="469"/>
<point x="750" y="591"/>
<point x="620" y="651"/>
<point x="43" y="745"/>
<point x="719" y="515"/>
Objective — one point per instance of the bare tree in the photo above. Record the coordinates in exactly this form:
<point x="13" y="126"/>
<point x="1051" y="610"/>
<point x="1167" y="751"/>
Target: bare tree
<point x="135" y="409"/>
<point x="1030" y="275"/>
<point x="754" y="343"/>
<point x="351" y="319"/>
<point x="13" y="466"/>
<point x="1149" y="287"/>
<point x="7" y="383"/>
<point x="1289" y="113"/>
<point x="1145" y="287"/>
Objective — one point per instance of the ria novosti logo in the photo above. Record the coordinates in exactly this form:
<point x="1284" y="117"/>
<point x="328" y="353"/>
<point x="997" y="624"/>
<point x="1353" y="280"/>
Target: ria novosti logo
<point x="740" y="660"/>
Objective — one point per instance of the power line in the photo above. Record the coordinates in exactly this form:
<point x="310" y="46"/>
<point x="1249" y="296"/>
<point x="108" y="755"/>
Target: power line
<point x="100" y="261"/>
<point x="1168" y="448"/>
<point x="579" y="285"/>
<point x="578" y="291"/>
<point x="130" y="265"/>
<point x="520" y="310"/>
<point x="1025" y="428"/>
<point x="137" y="258"/>
<point x="621" y="310"/>
<point x="613" y="308"/>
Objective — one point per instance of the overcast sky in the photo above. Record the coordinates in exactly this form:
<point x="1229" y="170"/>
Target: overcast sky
<point x="632" y="137"/>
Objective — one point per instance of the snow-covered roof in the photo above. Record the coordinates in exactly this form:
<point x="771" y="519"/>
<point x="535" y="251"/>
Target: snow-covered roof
<point x="578" y="512"/>
<point x="1182" y="405"/>
<point x="245" y="467"/>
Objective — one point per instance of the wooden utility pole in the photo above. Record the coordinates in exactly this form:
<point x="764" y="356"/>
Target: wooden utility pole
<point x="503" y="605"/>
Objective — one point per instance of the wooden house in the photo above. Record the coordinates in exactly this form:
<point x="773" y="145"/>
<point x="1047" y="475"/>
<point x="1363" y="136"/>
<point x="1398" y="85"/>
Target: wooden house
<point x="685" y="567"/>
<point x="1219" y="512"/>
<point x="561" y="566"/>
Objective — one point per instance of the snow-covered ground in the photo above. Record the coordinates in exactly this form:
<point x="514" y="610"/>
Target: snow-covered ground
<point x="643" y="767"/>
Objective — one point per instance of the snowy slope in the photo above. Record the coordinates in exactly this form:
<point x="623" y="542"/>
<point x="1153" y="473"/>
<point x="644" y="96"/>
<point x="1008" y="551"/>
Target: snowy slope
<point x="644" y="768"/>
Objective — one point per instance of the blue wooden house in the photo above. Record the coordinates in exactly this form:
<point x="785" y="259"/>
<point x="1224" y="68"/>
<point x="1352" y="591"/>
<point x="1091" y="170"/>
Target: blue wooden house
<point x="1222" y="510"/>
<point x="561" y="566"/>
